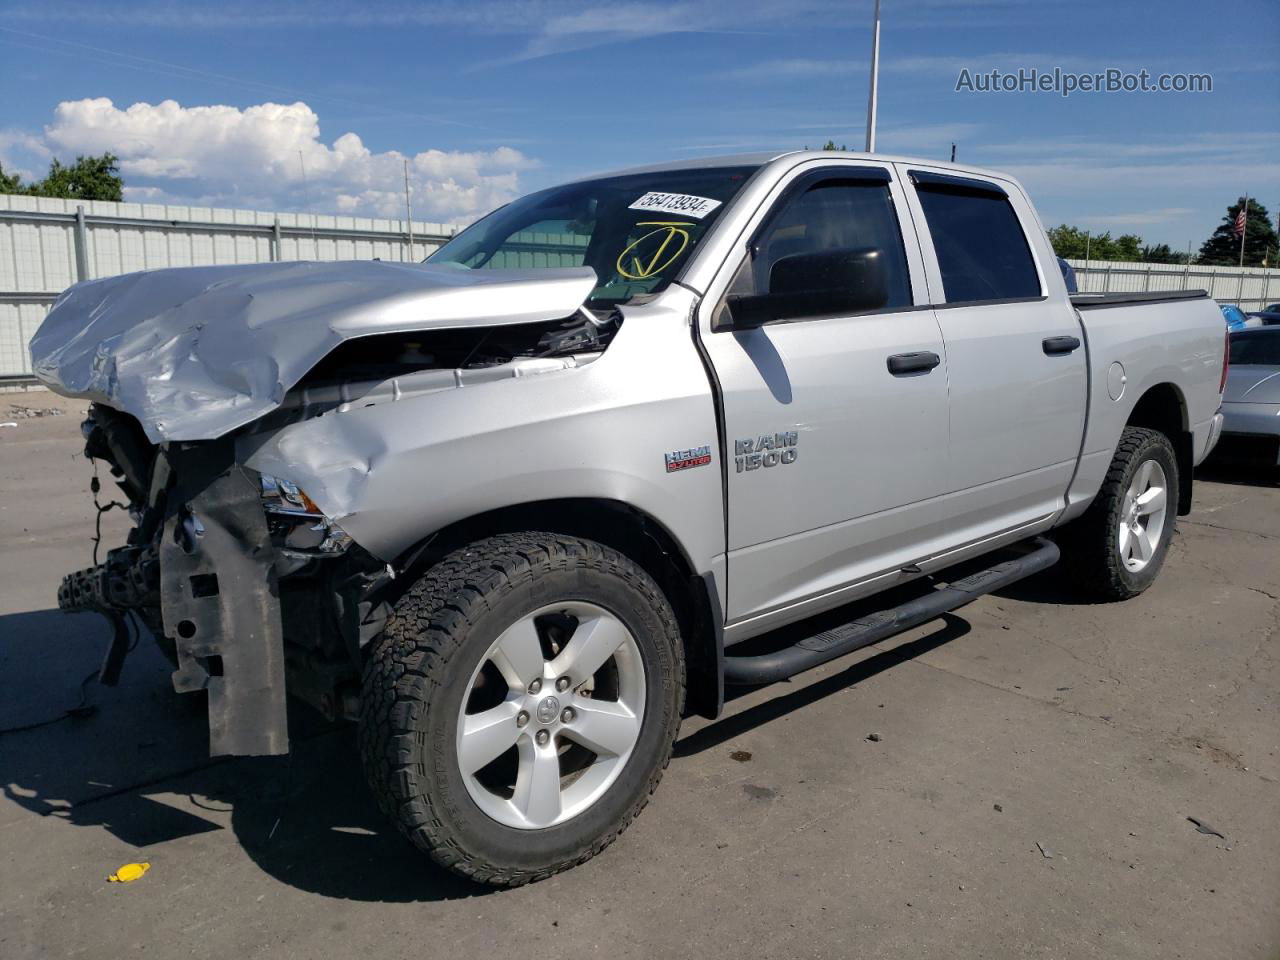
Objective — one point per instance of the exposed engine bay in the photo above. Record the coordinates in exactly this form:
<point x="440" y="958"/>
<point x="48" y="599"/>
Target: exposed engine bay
<point x="249" y="588"/>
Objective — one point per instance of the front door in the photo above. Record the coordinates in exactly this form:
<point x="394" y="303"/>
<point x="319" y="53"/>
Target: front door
<point x="831" y="444"/>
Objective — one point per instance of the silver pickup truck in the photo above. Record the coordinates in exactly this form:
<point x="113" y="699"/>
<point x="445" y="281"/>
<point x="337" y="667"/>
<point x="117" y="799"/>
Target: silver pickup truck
<point x="516" y="509"/>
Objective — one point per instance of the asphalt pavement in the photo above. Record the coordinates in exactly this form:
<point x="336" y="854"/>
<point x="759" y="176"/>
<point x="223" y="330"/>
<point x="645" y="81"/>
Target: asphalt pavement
<point x="1028" y="793"/>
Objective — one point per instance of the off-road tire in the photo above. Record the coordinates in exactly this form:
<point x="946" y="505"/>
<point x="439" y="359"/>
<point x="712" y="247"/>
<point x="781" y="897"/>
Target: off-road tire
<point x="438" y="633"/>
<point x="1089" y="544"/>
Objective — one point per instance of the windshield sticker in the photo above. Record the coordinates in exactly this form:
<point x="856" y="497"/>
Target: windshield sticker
<point x="681" y="203"/>
<point x="653" y="252"/>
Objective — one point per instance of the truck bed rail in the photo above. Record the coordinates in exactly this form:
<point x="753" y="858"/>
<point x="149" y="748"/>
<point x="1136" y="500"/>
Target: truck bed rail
<point x="1092" y="301"/>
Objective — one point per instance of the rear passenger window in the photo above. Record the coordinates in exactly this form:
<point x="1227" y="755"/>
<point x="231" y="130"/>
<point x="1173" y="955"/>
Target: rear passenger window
<point x="835" y="215"/>
<point x="982" y="251"/>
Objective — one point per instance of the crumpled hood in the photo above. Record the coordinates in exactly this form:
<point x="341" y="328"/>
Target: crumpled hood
<point x="1248" y="383"/>
<point x="195" y="352"/>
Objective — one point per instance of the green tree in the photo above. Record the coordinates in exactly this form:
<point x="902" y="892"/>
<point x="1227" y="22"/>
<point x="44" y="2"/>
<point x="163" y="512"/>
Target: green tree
<point x="1128" y="247"/>
<point x="1072" y="242"/>
<point x="1068" y="242"/>
<point x="1162" y="253"/>
<point x="8" y="182"/>
<point x="1223" y="246"/>
<point x="89" y="178"/>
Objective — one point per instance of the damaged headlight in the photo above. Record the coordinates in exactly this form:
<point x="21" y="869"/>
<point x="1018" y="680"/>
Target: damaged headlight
<point x="282" y="497"/>
<point x="296" y="523"/>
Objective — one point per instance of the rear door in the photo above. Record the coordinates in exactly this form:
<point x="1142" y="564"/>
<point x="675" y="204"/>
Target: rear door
<point x="1016" y="360"/>
<point x="829" y="452"/>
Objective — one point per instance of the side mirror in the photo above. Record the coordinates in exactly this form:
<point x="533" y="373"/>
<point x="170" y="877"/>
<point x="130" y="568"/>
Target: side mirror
<point x="822" y="284"/>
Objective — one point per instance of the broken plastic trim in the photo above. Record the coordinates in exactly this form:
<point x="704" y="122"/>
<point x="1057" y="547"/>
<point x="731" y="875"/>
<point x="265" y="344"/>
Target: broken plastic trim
<point x="220" y="597"/>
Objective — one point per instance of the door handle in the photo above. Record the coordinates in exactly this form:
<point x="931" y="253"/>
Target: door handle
<point x="921" y="362"/>
<point x="1058" y="345"/>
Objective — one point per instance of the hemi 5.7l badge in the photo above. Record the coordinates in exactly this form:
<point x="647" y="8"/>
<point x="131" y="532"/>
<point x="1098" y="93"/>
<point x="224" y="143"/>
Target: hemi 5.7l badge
<point x="684" y="459"/>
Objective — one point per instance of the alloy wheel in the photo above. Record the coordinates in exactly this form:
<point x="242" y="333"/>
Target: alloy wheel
<point x="1142" y="516"/>
<point x="551" y="715"/>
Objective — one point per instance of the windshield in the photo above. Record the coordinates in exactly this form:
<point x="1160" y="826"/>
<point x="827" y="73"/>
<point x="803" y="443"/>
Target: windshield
<point x="1256" y="348"/>
<point x="636" y="231"/>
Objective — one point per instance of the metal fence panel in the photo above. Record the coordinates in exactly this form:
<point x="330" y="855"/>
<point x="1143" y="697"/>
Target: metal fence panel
<point x="47" y="244"/>
<point x="1251" y="288"/>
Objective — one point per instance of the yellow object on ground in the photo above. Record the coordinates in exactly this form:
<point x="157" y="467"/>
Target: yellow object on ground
<point x="129" y="872"/>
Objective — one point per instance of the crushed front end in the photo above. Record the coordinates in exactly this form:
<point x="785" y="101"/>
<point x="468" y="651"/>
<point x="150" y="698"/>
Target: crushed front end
<point x="241" y="579"/>
<point x="213" y="387"/>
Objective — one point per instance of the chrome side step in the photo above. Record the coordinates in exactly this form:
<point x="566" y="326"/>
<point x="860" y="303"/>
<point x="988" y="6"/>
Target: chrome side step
<point x="836" y="642"/>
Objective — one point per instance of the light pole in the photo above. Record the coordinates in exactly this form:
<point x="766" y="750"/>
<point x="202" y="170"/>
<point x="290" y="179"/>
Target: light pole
<point x="408" y="208"/>
<point x="875" y="82"/>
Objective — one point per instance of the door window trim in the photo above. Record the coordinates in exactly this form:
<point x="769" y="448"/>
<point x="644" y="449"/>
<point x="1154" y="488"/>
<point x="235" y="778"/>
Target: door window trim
<point x="807" y="181"/>
<point x="987" y="303"/>
<point x="925" y="306"/>
<point x="971" y="184"/>
<point x="929" y="252"/>
<point x="728" y="254"/>
<point x="802" y="183"/>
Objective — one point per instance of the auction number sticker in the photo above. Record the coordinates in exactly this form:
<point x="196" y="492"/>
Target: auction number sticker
<point x="681" y="203"/>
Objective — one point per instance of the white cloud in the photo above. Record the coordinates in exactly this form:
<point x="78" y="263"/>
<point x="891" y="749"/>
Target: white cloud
<point x="524" y="29"/>
<point x="1085" y="182"/>
<point x="256" y="157"/>
<point x="930" y="140"/>
<point x="1183" y="163"/>
<point x="543" y="27"/>
<point x="795" y="68"/>
<point x="1141" y="218"/>
<point x="18" y="150"/>
<point x="593" y="26"/>
<point x="539" y="18"/>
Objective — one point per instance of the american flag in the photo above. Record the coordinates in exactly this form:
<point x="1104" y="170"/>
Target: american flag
<point x="1238" y="229"/>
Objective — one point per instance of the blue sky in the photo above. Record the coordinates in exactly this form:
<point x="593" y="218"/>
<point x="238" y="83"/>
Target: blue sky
<point x="213" y="102"/>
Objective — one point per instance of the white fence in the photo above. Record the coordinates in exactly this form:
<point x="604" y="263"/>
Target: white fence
<point x="1250" y="289"/>
<point x="48" y="244"/>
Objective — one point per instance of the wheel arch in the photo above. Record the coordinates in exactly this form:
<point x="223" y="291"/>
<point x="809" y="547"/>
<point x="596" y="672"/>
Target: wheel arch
<point x="622" y="527"/>
<point x="1163" y="407"/>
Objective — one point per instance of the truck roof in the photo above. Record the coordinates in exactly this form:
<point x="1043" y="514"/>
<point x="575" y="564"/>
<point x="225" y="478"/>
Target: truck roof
<point x="762" y="158"/>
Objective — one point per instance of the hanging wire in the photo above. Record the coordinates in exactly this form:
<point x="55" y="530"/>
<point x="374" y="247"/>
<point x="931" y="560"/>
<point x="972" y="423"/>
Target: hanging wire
<point x="83" y="708"/>
<point x="95" y="486"/>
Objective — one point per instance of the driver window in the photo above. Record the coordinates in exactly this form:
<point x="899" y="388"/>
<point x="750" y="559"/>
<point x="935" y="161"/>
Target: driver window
<point x="836" y="215"/>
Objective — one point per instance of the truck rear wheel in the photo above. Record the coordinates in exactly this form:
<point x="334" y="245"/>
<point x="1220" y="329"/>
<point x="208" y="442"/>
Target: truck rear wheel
<point x="521" y="705"/>
<point x="1118" y="546"/>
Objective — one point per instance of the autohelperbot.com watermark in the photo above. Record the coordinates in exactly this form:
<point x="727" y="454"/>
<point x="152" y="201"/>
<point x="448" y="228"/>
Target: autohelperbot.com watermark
<point x="1067" y="82"/>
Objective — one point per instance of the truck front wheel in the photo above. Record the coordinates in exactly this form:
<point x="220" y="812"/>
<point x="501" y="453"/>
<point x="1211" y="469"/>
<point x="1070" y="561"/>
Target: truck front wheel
<point x="1118" y="545"/>
<point x="521" y="705"/>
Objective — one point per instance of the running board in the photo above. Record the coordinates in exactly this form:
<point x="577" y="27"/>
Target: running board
<point x="836" y="642"/>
